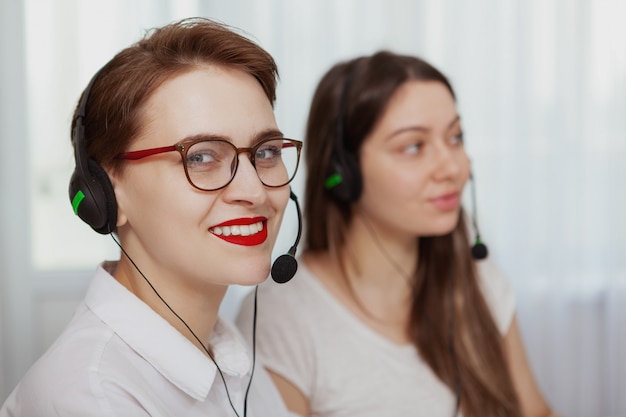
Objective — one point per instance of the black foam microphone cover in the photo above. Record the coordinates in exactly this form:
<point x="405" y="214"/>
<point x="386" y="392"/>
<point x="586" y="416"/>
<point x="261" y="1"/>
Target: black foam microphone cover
<point x="479" y="250"/>
<point x="284" y="268"/>
<point x="286" y="265"/>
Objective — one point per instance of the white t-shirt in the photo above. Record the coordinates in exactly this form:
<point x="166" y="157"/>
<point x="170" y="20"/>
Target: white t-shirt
<point x="341" y="365"/>
<point x="117" y="357"/>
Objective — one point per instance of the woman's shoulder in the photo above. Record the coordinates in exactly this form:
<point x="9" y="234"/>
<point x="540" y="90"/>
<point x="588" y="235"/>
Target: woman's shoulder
<point x="498" y="293"/>
<point x="492" y="279"/>
<point x="306" y="282"/>
<point x="301" y="296"/>
<point x="67" y="367"/>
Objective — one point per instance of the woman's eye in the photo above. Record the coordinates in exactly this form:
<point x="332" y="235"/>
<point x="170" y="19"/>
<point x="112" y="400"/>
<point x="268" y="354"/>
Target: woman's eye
<point x="457" y="139"/>
<point x="412" y="149"/>
<point x="267" y="153"/>
<point x="200" y="158"/>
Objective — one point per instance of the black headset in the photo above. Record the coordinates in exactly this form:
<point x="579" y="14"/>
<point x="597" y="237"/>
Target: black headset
<point x="344" y="181"/>
<point x="93" y="198"/>
<point x="91" y="192"/>
<point x="343" y="178"/>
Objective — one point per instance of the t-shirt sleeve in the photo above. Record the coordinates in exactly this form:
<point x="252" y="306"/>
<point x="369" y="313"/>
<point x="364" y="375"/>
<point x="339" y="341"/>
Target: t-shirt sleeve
<point x="284" y="339"/>
<point x="498" y="294"/>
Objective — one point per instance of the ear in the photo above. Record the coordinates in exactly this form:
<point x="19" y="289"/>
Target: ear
<point x="120" y="196"/>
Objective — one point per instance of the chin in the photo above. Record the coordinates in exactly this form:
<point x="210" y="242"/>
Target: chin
<point x="441" y="228"/>
<point x="252" y="272"/>
<point x="253" y="280"/>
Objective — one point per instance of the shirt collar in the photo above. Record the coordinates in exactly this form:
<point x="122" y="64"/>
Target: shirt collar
<point x="159" y="343"/>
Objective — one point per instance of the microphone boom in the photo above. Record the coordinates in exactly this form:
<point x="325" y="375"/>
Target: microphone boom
<point x="286" y="265"/>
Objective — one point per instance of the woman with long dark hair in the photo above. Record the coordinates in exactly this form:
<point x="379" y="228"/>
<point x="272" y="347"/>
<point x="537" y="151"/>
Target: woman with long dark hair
<point x="390" y="313"/>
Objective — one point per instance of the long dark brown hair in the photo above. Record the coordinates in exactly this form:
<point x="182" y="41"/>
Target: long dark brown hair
<point x="451" y="324"/>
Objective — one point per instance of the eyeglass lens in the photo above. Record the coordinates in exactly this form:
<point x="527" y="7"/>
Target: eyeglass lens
<point x="211" y="164"/>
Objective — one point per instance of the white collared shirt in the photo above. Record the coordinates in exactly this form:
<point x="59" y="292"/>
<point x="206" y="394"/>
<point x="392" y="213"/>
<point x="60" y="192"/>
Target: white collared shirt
<point x="118" y="357"/>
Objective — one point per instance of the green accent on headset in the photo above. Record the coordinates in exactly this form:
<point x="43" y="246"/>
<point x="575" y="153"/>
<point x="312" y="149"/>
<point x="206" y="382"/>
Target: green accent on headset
<point x="332" y="181"/>
<point x="78" y="198"/>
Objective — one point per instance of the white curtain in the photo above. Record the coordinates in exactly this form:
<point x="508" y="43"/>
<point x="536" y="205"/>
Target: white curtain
<point x="550" y="165"/>
<point x="541" y="87"/>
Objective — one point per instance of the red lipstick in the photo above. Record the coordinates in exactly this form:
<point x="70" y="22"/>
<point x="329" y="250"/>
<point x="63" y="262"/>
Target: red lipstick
<point x="244" y="231"/>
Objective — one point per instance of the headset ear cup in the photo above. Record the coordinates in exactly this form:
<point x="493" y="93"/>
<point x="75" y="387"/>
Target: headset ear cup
<point x="348" y="183"/>
<point x="93" y="198"/>
<point x="344" y="180"/>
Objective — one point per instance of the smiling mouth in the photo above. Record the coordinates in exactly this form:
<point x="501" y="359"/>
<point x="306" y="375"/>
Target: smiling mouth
<point x="250" y="234"/>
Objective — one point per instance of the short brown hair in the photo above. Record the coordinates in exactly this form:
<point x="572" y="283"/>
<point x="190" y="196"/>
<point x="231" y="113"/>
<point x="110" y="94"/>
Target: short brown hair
<point x="113" y="114"/>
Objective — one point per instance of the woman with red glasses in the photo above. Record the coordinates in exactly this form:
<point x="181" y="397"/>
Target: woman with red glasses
<point x="180" y="159"/>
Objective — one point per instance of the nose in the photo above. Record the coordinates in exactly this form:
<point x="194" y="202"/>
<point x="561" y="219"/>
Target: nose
<point x="447" y="163"/>
<point x="246" y="185"/>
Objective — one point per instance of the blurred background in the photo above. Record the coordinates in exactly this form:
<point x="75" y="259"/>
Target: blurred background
<point x="541" y="87"/>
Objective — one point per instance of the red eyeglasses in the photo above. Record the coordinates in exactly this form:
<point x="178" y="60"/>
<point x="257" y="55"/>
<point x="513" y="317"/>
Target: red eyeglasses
<point x="211" y="164"/>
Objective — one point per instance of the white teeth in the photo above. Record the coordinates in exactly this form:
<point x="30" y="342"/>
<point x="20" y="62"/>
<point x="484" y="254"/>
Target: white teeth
<point x="243" y="230"/>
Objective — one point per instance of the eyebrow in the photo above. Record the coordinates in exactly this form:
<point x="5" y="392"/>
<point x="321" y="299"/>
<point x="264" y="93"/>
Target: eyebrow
<point x="267" y="133"/>
<point x="423" y="129"/>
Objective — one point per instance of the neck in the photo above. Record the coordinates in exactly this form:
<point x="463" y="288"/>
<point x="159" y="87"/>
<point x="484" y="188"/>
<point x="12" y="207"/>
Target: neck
<point x="378" y="257"/>
<point x="198" y="308"/>
<point x="378" y="274"/>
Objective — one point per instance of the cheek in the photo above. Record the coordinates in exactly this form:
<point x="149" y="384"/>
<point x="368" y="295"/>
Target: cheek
<point x="393" y="180"/>
<point x="148" y="197"/>
<point x="279" y="198"/>
<point x="465" y="167"/>
<point x="392" y="191"/>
